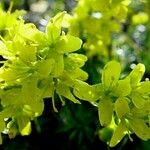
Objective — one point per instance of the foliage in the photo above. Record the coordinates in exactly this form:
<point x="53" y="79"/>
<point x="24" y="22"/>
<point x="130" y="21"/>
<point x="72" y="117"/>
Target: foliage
<point x="37" y="62"/>
<point x="95" y="21"/>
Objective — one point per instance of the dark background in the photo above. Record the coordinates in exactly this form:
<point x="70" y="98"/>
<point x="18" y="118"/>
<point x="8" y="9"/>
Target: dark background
<point x="76" y="127"/>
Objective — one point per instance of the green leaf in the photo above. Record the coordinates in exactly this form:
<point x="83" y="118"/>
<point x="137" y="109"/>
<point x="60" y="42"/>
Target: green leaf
<point x="140" y="128"/>
<point x="137" y="74"/>
<point x="138" y="99"/>
<point x="118" y="134"/>
<point x="68" y="43"/>
<point x="110" y="74"/>
<point x="123" y="88"/>
<point x="105" y="111"/>
<point x="122" y="107"/>
<point x="64" y="90"/>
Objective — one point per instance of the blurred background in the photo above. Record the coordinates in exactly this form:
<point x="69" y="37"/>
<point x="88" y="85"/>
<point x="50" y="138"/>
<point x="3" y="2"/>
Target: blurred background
<point x="77" y="126"/>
